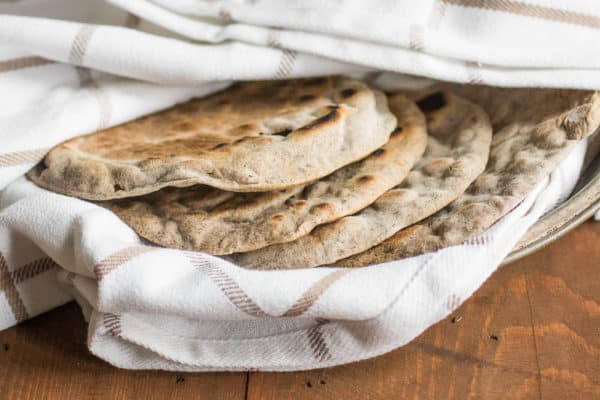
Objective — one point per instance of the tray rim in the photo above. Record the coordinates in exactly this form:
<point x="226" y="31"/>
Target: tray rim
<point x="580" y="206"/>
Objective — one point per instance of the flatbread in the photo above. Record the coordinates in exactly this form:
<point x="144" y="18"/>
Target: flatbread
<point x="219" y="222"/>
<point x="535" y="130"/>
<point x="457" y="151"/>
<point x="256" y="136"/>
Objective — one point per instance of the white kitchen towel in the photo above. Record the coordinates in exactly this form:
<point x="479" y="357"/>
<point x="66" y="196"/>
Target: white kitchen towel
<point x="150" y="307"/>
<point x="70" y="67"/>
<point x="499" y="42"/>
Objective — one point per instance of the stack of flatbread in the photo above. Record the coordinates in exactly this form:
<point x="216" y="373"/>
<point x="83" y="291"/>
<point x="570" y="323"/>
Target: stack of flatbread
<point x="322" y="171"/>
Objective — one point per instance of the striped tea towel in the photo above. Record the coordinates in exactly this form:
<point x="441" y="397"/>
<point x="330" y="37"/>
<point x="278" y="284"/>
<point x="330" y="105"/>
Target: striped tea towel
<point x="71" y="67"/>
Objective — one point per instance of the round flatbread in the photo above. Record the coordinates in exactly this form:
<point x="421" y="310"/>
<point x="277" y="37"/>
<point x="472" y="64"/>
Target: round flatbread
<point x="219" y="222"/>
<point x="457" y="150"/>
<point x="535" y="130"/>
<point x="255" y="136"/>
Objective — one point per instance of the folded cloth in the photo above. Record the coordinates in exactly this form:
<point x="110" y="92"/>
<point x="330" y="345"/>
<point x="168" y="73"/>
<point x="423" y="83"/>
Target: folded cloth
<point x="150" y="307"/>
<point x="66" y="69"/>
<point x="499" y="42"/>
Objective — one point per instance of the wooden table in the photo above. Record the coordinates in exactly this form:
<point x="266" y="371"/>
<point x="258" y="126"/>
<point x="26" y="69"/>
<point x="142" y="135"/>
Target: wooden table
<point x="532" y="331"/>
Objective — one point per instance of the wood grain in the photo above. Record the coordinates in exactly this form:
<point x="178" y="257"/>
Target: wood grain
<point x="46" y="358"/>
<point x="531" y="332"/>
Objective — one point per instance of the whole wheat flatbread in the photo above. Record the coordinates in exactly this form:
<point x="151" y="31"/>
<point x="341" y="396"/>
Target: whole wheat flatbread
<point x="218" y="222"/>
<point x="255" y="136"/>
<point x="535" y="130"/>
<point x="457" y="150"/>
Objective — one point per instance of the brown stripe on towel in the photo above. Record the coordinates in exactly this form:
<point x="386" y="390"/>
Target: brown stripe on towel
<point x="115" y="260"/>
<point x="86" y="80"/>
<point x="7" y="285"/>
<point x="234" y="293"/>
<point x="531" y="10"/>
<point x="22" y="157"/>
<point x="288" y="57"/>
<point x="313" y="293"/>
<point x="32" y="269"/>
<point x="317" y="343"/>
<point x="23" y="62"/>
<point x="80" y="44"/>
<point x="452" y="302"/>
<point x="112" y="323"/>
<point x="79" y="48"/>
<point x="239" y="298"/>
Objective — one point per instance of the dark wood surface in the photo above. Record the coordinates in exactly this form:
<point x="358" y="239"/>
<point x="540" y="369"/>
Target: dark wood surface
<point x="532" y="331"/>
